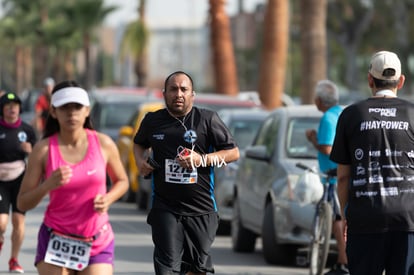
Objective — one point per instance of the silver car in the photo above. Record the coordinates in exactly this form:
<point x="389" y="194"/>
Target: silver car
<point x="112" y="108"/>
<point x="243" y="125"/>
<point x="270" y="199"/>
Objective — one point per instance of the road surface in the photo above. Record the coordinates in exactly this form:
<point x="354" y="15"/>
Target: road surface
<point x="134" y="247"/>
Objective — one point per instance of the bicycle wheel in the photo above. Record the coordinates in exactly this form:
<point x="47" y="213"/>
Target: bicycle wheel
<point x="319" y="247"/>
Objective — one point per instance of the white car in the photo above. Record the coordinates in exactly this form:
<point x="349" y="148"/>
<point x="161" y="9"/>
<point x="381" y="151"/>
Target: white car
<point x="270" y="200"/>
<point x="243" y="125"/>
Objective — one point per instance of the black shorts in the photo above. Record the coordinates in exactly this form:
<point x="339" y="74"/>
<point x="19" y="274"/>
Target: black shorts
<point x="182" y="243"/>
<point x="8" y="195"/>
<point x="373" y="253"/>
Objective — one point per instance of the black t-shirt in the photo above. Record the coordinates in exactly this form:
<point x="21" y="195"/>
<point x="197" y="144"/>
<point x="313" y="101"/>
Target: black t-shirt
<point x="10" y="141"/>
<point x="376" y="138"/>
<point x="176" y="189"/>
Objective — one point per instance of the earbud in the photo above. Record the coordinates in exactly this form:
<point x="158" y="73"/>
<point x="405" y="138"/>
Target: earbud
<point x="194" y="93"/>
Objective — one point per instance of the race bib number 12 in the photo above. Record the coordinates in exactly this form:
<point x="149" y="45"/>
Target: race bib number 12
<point x="174" y="173"/>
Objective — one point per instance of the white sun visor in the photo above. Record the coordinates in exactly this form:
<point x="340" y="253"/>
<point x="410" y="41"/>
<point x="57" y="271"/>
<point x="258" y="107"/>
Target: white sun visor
<point x="70" y="95"/>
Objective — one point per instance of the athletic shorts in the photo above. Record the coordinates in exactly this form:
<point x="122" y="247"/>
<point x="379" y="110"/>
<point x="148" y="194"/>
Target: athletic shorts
<point x="375" y="252"/>
<point x="182" y="243"/>
<point x="8" y="195"/>
<point x="106" y="256"/>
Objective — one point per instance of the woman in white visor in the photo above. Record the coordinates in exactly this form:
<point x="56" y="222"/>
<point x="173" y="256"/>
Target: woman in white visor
<point x="70" y="164"/>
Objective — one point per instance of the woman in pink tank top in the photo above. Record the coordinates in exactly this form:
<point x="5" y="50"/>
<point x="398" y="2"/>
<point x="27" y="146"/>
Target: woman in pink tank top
<point x="70" y="165"/>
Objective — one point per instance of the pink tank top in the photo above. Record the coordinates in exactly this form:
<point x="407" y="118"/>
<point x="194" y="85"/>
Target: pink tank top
<point x="70" y="209"/>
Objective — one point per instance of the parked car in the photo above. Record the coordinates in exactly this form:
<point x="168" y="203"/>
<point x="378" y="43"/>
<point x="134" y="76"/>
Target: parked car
<point x="29" y="98"/>
<point x="253" y="95"/>
<point x="112" y="108"/>
<point x="243" y="125"/>
<point x="218" y="101"/>
<point x="125" y="146"/>
<point x="269" y="199"/>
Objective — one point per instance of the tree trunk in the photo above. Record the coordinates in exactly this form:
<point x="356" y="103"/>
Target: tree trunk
<point x="19" y="67"/>
<point x="349" y="22"/>
<point x="313" y="47"/>
<point x="87" y="55"/>
<point x="41" y="59"/>
<point x="141" y="62"/>
<point x="141" y="71"/>
<point x="274" y="54"/>
<point x="224" y="63"/>
<point x="40" y="65"/>
<point x="402" y="28"/>
<point x="28" y="68"/>
<point x="69" y="70"/>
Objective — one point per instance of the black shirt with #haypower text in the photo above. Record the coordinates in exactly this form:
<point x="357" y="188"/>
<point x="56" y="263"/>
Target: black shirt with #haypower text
<point x="376" y="138"/>
<point x="204" y="132"/>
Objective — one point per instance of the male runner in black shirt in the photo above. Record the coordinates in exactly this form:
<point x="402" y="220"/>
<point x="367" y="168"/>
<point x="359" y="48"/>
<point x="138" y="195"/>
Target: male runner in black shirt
<point x="374" y="148"/>
<point x="186" y="143"/>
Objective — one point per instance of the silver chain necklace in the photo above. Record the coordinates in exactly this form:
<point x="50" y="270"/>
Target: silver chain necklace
<point x="179" y="120"/>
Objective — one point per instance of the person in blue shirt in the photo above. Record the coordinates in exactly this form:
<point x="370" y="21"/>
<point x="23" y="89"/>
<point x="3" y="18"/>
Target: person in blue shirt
<point x="326" y="100"/>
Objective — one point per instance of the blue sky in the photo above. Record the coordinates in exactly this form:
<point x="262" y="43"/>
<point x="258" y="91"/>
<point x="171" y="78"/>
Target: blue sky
<point x="170" y="12"/>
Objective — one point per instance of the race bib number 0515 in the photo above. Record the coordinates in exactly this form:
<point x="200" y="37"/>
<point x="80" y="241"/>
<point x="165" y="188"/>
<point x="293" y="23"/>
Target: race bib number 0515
<point x="68" y="252"/>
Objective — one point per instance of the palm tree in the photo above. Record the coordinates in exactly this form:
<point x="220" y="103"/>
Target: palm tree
<point x="67" y="41"/>
<point x="135" y="41"/>
<point x="274" y="54"/>
<point x="86" y="17"/>
<point x="313" y="46"/>
<point x="224" y="63"/>
<point x="17" y="36"/>
<point x="33" y="17"/>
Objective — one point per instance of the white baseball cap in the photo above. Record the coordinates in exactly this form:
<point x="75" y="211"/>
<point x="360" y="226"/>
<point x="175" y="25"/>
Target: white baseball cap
<point x="385" y="65"/>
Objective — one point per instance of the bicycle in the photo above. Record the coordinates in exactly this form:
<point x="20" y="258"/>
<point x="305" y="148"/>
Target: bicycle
<point x="322" y="225"/>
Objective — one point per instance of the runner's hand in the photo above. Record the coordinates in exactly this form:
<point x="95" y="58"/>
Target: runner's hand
<point x="100" y="204"/>
<point x="59" y="177"/>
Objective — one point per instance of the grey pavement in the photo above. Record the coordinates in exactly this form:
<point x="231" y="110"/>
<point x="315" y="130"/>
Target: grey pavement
<point x="124" y="220"/>
<point x="26" y="257"/>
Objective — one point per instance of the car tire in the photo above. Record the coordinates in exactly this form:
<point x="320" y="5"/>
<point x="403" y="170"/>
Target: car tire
<point x="273" y="252"/>
<point x="243" y="240"/>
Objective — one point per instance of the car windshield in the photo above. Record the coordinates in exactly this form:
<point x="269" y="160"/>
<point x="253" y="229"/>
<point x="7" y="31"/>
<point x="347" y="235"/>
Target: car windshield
<point x="114" y="115"/>
<point x="244" y="131"/>
<point x="297" y="145"/>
